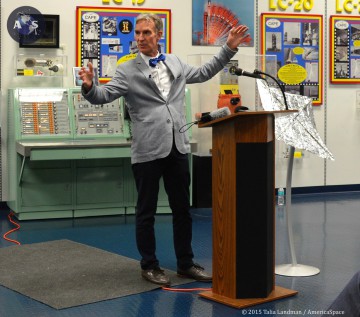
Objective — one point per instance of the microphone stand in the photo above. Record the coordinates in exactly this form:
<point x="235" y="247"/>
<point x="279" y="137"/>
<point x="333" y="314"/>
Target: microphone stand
<point x="258" y="72"/>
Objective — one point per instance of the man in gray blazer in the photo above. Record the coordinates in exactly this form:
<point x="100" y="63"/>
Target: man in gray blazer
<point x="153" y="86"/>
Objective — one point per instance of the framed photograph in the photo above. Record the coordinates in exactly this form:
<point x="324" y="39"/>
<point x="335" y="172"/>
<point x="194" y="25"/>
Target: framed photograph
<point x="296" y="41"/>
<point x="105" y="37"/>
<point x="213" y="20"/>
<point x="47" y="34"/>
<point x="78" y="81"/>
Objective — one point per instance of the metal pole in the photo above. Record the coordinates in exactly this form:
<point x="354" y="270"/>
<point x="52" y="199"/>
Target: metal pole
<point x="293" y="269"/>
<point x="288" y="206"/>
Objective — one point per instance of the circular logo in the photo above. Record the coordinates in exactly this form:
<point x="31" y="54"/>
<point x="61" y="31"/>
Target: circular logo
<point x="26" y="25"/>
<point x="273" y="23"/>
<point x="342" y="25"/>
<point x="125" y="26"/>
<point x="90" y="17"/>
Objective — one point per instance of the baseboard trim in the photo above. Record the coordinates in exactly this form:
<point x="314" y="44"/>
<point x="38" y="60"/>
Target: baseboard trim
<point x="325" y="189"/>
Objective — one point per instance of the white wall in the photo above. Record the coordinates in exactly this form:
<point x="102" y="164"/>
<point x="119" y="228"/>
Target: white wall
<point x="337" y="120"/>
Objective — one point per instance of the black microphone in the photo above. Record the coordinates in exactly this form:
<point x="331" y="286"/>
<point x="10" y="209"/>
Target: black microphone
<point x="206" y="117"/>
<point x="213" y="115"/>
<point x="240" y="72"/>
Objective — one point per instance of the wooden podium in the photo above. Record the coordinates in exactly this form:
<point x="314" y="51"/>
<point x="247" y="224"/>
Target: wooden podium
<point x="243" y="203"/>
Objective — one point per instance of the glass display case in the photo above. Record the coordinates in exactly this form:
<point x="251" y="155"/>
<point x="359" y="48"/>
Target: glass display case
<point x="40" y="65"/>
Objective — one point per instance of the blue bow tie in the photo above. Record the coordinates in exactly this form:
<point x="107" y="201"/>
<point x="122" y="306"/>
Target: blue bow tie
<point x="154" y="61"/>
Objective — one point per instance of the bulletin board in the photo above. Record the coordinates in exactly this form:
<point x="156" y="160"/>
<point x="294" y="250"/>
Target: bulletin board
<point x="105" y="37"/>
<point x="344" y="49"/>
<point x="297" y="42"/>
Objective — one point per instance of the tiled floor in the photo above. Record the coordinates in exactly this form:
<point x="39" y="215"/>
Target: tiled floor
<point x="326" y="234"/>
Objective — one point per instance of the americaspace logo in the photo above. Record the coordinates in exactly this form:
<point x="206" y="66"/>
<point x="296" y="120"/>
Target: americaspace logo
<point x="26" y="24"/>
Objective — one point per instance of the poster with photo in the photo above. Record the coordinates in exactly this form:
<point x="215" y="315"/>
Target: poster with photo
<point x="213" y="20"/>
<point x="344" y="49"/>
<point x="296" y="41"/>
<point x="105" y="37"/>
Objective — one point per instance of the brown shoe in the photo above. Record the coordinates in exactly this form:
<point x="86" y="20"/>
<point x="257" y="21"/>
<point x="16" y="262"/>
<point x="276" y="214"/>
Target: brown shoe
<point x="156" y="276"/>
<point x="195" y="272"/>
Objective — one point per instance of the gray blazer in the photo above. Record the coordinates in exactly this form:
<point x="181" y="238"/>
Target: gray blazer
<point x="154" y="118"/>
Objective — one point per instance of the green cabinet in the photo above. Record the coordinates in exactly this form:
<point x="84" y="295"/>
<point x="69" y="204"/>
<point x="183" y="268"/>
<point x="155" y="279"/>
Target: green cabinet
<point x="68" y="158"/>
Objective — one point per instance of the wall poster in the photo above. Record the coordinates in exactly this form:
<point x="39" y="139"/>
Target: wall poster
<point x="213" y="20"/>
<point x="296" y="40"/>
<point x="344" y="49"/>
<point x="105" y="37"/>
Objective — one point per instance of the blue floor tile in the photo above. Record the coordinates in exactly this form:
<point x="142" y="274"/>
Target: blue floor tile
<point x="325" y="231"/>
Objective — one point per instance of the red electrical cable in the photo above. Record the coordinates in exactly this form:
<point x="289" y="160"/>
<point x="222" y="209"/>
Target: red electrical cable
<point x="12" y="230"/>
<point x="185" y="289"/>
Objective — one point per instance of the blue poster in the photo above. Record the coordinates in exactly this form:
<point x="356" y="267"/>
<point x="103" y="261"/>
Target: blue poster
<point x="105" y="37"/>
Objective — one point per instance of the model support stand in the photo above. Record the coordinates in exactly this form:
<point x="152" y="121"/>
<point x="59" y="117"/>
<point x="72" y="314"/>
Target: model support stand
<point x="293" y="269"/>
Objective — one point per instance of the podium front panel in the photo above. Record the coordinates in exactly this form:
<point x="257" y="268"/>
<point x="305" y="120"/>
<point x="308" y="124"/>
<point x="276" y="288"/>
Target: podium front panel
<point x="243" y="206"/>
<point x="254" y="219"/>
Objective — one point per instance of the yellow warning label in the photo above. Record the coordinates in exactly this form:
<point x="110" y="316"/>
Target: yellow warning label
<point x="225" y="89"/>
<point x="28" y="72"/>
